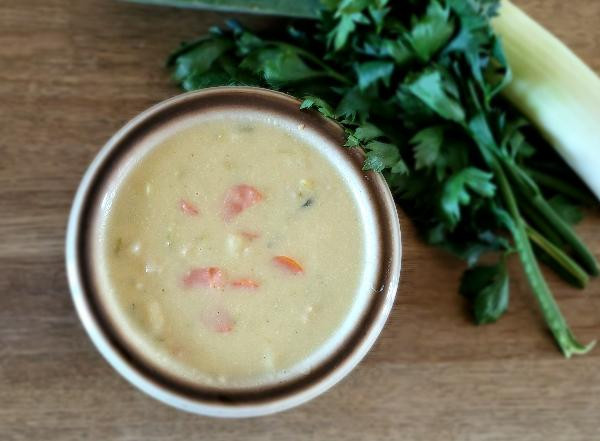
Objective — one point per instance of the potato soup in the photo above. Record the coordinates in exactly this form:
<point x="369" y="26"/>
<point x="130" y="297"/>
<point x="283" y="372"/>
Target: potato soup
<point x="233" y="251"/>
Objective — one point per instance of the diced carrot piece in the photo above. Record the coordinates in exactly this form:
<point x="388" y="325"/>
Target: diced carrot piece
<point x="238" y="198"/>
<point x="288" y="264"/>
<point x="211" y="277"/>
<point x="250" y="235"/>
<point x="223" y="326"/>
<point x="245" y="283"/>
<point x="218" y="320"/>
<point x="188" y="207"/>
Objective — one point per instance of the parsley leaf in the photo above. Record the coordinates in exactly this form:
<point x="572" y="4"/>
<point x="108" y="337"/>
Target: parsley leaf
<point x="338" y="36"/>
<point x="279" y="65"/>
<point x="372" y="71"/>
<point x="486" y="288"/>
<point x="198" y="59"/>
<point x="456" y="191"/>
<point x="429" y="88"/>
<point x="321" y="105"/>
<point x="368" y="131"/>
<point x="396" y="50"/>
<point x="432" y="31"/>
<point x="381" y="155"/>
<point x="355" y="104"/>
<point x="427" y="146"/>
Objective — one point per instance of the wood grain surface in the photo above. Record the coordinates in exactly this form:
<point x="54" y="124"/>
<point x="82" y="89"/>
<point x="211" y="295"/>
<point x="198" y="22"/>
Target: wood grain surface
<point x="71" y="73"/>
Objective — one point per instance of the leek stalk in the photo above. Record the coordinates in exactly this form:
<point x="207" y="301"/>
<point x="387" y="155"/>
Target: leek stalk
<point x="555" y="89"/>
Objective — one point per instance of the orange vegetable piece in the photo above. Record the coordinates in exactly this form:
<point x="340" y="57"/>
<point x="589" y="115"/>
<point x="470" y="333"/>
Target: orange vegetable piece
<point x="250" y="235"/>
<point x="188" y="208"/>
<point x="245" y="283"/>
<point x="288" y="264"/>
<point x="238" y="198"/>
<point x="211" y="277"/>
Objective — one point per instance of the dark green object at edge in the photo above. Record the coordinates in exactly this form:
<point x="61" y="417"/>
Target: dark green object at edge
<point x="294" y="8"/>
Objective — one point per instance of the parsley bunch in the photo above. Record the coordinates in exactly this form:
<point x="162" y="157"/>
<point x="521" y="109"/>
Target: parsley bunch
<point x="415" y="84"/>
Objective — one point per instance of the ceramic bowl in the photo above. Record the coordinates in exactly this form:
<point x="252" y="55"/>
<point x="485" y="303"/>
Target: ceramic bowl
<point x="349" y="345"/>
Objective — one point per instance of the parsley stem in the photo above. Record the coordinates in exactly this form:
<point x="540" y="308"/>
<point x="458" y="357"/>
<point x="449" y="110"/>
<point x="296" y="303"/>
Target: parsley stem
<point x="578" y="275"/>
<point x="534" y="197"/>
<point x="536" y="219"/>
<point x="560" y="186"/>
<point x="550" y="309"/>
<point x="584" y="255"/>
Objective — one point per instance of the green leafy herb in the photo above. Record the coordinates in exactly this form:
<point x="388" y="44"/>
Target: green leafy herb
<point x="416" y="84"/>
<point x="455" y="191"/>
<point x="372" y="71"/>
<point x="431" y="90"/>
<point x="382" y="155"/>
<point x="431" y="32"/>
<point x="428" y="144"/>
<point x="486" y="287"/>
<point x="322" y="106"/>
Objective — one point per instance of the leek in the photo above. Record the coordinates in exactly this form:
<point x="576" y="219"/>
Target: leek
<point x="555" y="89"/>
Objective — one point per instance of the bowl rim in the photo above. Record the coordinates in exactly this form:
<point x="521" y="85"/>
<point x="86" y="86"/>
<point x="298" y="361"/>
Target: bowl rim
<point x="227" y="402"/>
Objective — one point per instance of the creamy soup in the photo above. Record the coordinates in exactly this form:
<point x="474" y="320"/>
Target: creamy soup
<point x="233" y="250"/>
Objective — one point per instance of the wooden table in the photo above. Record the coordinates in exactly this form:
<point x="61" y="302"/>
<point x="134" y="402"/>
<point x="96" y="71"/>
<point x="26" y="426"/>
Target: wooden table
<point x="71" y="73"/>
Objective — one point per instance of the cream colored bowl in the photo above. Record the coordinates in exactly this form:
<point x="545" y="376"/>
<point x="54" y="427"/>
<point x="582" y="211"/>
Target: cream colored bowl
<point x="350" y="343"/>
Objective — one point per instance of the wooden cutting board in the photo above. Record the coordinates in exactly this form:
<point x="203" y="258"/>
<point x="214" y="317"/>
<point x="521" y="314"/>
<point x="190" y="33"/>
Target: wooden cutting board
<point x="71" y="73"/>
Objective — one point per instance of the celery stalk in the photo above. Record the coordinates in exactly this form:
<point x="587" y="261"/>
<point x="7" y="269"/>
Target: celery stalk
<point x="555" y="89"/>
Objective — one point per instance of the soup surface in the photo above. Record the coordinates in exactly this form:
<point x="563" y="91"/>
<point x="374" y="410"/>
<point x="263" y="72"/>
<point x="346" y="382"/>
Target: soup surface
<point x="233" y="250"/>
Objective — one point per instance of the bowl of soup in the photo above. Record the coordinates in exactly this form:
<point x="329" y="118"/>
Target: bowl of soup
<point x="228" y="256"/>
